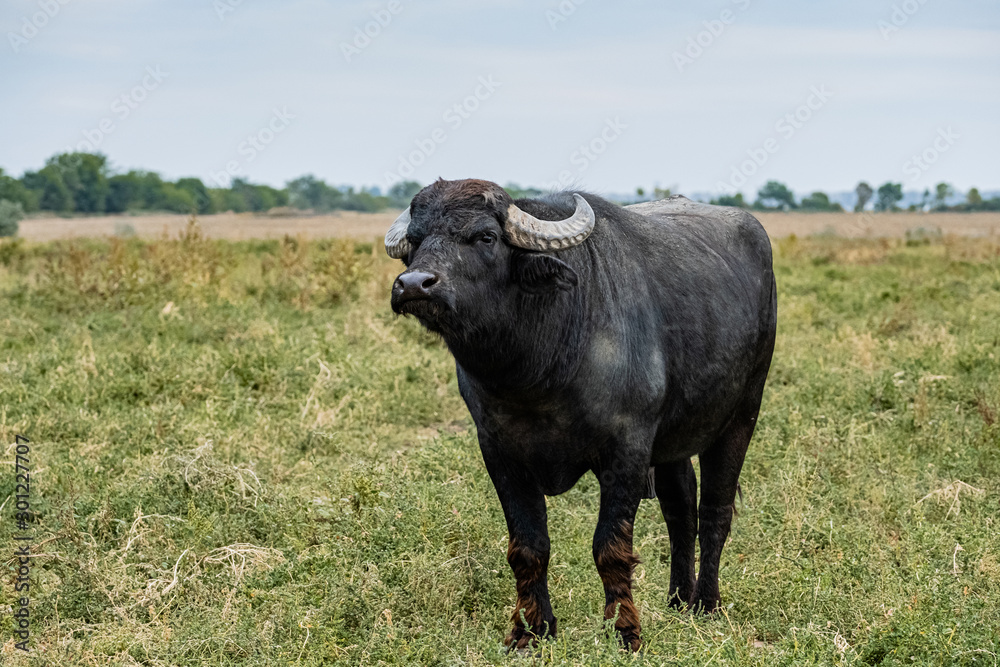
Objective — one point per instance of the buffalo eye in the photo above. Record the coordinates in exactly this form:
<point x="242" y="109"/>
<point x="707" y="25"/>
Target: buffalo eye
<point x="487" y="238"/>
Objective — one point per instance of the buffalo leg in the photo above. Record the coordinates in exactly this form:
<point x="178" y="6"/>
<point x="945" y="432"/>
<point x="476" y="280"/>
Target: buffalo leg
<point x="620" y="495"/>
<point x="720" y="474"/>
<point x="528" y="557"/>
<point x="677" y="492"/>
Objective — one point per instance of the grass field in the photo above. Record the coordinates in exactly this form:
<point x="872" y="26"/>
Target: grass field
<point x="241" y="457"/>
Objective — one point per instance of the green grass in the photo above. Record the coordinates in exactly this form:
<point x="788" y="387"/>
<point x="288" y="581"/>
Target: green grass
<point x="241" y="457"/>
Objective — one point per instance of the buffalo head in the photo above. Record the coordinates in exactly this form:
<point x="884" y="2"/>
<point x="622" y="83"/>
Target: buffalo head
<point x="470" y="252"/>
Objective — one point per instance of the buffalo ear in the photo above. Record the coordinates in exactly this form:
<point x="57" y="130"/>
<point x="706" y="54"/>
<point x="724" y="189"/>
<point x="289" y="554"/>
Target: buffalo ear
<point x="536" y="273"/>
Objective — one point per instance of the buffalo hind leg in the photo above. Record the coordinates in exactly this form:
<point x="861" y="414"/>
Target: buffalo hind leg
<point x="620" y="495"/>
<point x="677" y="491"/>
<point x="720" y="474"/>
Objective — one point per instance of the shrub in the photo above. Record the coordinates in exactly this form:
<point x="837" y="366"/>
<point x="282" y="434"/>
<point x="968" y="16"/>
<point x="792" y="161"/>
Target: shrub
<point x="11" y="214"/>
<point x="124" y="230"/>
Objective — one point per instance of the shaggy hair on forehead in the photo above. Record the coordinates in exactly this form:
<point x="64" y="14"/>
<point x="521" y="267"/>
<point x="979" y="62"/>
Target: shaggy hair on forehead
<point x="445" y="196"/>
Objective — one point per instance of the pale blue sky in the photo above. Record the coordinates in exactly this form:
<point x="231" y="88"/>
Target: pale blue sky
<point x="608" y="76"/>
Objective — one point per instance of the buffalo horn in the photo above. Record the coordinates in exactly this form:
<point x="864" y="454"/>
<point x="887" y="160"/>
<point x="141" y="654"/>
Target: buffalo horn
<point x="527" y="231"/>
<point x="396" y="244"/>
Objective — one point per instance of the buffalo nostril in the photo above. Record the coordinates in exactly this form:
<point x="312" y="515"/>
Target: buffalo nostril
<point x="415" y="284"/>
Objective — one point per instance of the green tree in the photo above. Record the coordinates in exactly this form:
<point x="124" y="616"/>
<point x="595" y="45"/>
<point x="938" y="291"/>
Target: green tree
<point x="86" y="176"/>
<point x="280" y="196"/>
<point x="224" y="199"/>
<point x="925" y="199"/>
<point x="363" y="201"/>
<point x="401" y="193"/>
<point x="139" y="189"/>
<point x="253" y="201"/>
<point x="49" y="189"/>
<point x="258" y="198"/>
<point x="148" y="191"/>
<point x="11" y="214"/>
<point x="974" y="199"/>
<point x="942" y="191"/>
<point x="889" y="194"/>
<point x="309" y="192"/>
<point x="730" y="200"/>
<point x="992" y="204"/>
<point x="817" y="201"/>
<point x="864" y="193"/>
<point x="177" y="200"/>
<point x="198" y="192"/>
<point x="775" y="195"/>
<point x="123" y="192"/>
<point x="13" y="190"/>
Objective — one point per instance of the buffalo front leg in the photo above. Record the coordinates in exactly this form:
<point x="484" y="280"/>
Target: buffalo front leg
<point x="528" y="557"/>
<point x="676" y="489"/>
<point x="620" y="495"/>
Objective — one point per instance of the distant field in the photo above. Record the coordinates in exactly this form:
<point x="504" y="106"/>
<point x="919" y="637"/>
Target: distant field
<point x="367" y="226"/>
<point x="240" y="456"/>
<point x="231" y="226"/>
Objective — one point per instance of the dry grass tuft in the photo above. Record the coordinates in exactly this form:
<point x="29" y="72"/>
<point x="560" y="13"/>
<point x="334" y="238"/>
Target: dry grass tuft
<point x="952" y="494"/>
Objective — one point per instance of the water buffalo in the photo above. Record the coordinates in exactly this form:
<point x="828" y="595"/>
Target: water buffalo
<point x="588" y="336"/>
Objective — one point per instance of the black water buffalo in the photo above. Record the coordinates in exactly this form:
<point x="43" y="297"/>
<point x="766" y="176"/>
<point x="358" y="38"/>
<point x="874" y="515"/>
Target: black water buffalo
<point x="593" y="337"/>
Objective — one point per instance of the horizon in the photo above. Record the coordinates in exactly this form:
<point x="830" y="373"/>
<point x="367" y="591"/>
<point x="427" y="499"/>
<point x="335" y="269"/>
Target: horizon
<point x="731" y="95"/>
<point x="956" y="195"/>
<point x="845" y="198"/>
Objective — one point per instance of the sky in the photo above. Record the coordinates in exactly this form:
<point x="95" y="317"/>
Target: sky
<point x="714" y="96"/>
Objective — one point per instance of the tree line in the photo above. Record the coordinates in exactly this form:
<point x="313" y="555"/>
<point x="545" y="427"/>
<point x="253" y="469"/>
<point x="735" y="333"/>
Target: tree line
<point x="776" y="196"/>
<point x="85" y="183"/>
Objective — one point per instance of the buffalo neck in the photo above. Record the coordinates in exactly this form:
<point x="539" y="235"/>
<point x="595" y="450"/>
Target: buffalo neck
<point x="537" y="346"/>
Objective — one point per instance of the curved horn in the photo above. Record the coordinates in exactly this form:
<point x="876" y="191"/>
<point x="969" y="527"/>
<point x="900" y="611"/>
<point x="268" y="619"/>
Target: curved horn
<point x="396" y="245"/>
<point x="527" y="231"/>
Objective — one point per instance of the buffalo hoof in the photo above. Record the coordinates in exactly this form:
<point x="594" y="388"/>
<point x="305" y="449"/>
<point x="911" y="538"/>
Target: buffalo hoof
<point x="522" y="641"/>
<point x="679" y="601"/>
<point x="630" y="640"/>
<point x="705" y="606"/>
